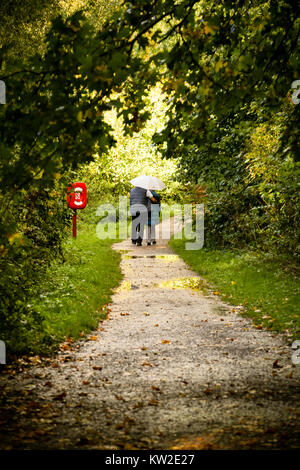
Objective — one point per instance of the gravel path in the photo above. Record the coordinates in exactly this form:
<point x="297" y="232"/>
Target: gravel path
<point x="171" y="368"/>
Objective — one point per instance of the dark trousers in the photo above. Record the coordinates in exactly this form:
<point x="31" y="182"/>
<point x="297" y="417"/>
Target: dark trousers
<point x="137" y="228"/>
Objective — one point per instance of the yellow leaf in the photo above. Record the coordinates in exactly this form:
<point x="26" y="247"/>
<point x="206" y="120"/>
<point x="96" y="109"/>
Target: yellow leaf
<point x="210" y="29"/>
<point x="79" y="116"/>
<point x="165" y="341"/>
<point x="13" y="237"/>
<point x="74" y="28"/>
<point x="219" y="65"/>
<point x="101" y="68"/>
<point x="3" y="250"/>
<point x="93" y="338"/>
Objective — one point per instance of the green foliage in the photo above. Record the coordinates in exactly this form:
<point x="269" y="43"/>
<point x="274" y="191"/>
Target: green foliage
<point x="33" y="228"/>
<point x="52" y="121"/>
<point x="23" y="25"/>
<point x="259" y="207"/>
<point x="268" y="291"/>
<point x="134" y="154"/>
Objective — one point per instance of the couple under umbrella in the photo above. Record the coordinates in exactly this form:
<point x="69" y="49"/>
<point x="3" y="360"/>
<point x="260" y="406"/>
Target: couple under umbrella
<point x="145" y="208"/>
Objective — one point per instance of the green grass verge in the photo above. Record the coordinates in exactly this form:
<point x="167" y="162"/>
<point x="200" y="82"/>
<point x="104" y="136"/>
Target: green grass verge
<point x="75" y="293"/>
<point x="268" y="291"/>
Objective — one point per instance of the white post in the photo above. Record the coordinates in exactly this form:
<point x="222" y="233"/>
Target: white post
<point x="2" y="352"/>
<point x="2" y="92"/>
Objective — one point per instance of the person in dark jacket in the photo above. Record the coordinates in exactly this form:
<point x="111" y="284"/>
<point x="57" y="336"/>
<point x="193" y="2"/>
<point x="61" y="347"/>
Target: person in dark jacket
<point x="139" y="213"/>
<point x="154" y="207"/>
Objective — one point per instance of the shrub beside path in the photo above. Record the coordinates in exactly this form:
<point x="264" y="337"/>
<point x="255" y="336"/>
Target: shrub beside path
<point x="172" y="367"/>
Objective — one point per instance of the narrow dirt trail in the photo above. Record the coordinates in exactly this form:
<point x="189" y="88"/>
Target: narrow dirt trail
<point x="171" y="368"/>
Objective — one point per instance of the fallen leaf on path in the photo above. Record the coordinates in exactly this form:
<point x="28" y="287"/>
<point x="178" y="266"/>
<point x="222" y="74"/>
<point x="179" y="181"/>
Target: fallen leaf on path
<point x="128" y="446"/>
<point x="205" y="442"/>
<point x="48" y="384"/>
<point x="93" y="338"/>
<point x="144" y="348"/>
<point x="85" y="382"/>
<point x="30" y="386"/>
<point x="97" y="367"/>
<point x="153" y="402"/>
<point x="33" y="405"/>
<point x="165" y="341"/>
<point x="83" y="441"/>
<point x="216" y="293"/>
<point x="119" y="426"/>
<point x="60" y="396"/>
<point x="147" y="364"/>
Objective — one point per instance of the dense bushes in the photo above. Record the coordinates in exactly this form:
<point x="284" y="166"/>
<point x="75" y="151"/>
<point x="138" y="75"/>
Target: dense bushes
<point x="261" y="209"/>
<point x="36" y="222"/>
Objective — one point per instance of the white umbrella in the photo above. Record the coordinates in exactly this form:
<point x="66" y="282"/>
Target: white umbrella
<point x="148" y="182"/>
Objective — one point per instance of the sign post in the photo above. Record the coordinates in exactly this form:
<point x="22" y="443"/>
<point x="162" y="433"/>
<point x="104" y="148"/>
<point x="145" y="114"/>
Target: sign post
<point x="76" y="199"/>
<point x="74" y="223"/>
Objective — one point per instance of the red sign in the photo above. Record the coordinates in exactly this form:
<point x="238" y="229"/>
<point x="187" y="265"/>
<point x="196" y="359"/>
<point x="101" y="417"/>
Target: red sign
<point x="76" y="196"/>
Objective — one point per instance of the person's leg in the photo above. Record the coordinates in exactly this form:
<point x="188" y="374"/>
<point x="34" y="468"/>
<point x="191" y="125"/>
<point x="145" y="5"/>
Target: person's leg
<point x="140" y="233"/>
<point x="139" y="220"/>
<point x="148" y="234"/>
<point x="149" y="229"/>
<point x="134" y="226"/>
<point x="153" y="234"/>
<point x="143" y="222"/>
